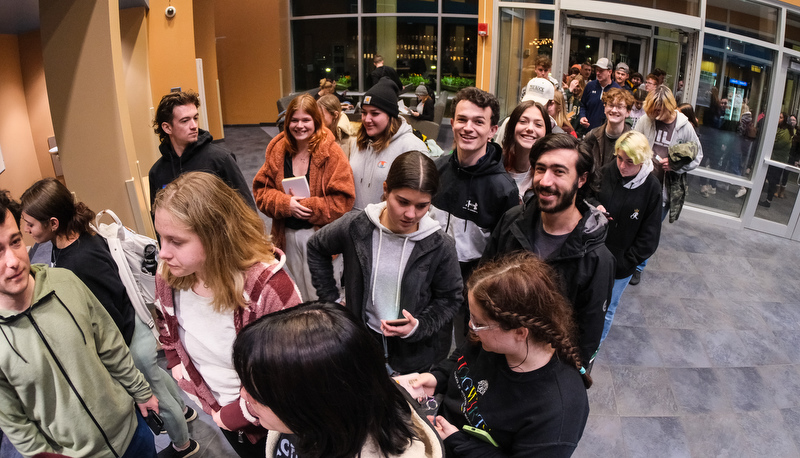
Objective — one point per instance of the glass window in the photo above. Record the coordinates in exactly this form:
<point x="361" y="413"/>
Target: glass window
<point x="792" y="35"/>
<point x="404" y="6"/>
<point x="731" y="98"/>
<point x="325" y="48"/>
<point x="691" y="7"/>
<point x="462" y="6"/>
<point x="307" y="8"/>
<point x="744" y="18"/>
<point x="408" y="44"/>
<point x="523" y="35"/>
<point x="459" y="52"/>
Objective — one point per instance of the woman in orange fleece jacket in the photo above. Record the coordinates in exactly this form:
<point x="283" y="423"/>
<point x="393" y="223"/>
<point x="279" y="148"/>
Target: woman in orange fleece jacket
<point x="306" y="148"/>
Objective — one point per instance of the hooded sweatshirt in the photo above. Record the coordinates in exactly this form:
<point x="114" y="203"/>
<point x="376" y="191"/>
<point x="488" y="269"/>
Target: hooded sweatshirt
<point x="201" y="156"/>
<point x="472" y="200"/>
<point x="635" y="209"/>
<point x="371" y="167"/>
<point x="67" y="380"/>
<point x="429" y="287"/>
<point x="390" y="253"/>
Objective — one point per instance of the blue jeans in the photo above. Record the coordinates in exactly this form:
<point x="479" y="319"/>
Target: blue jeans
<point x="170" y="402"/>
<point x="142" y="445"/>
<point x="616" y="293"/>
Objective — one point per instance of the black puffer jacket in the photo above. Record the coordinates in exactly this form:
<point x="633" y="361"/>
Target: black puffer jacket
<point x="584" y="265"/>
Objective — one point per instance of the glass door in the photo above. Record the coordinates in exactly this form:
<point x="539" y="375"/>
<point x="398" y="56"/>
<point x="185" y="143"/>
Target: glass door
<point x="629" y="50"/>
<point x="777" y="210"/>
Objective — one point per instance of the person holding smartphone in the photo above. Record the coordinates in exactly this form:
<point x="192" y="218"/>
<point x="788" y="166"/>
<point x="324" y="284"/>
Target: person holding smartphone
<point x="516" y="389"/>
<point x="398" y="265"/>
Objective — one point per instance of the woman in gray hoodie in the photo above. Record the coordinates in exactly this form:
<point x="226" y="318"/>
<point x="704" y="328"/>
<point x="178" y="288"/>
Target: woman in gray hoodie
<point x="401" y="273"/>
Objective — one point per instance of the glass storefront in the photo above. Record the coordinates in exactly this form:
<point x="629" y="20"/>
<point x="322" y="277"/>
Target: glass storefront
<point x="524" y="34"/>
<point x="405" y="33"/>
<point x="731" y="100"/>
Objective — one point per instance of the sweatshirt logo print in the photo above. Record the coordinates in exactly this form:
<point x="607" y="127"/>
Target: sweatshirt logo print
<point x="635" y="214"/>
<point x="381" y="164"/>
<point x="469" y="394"/>
<point x="471" y="206"/>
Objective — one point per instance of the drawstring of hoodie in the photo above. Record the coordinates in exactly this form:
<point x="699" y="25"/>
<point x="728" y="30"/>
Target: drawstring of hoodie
<point x="397" y="293"/>
<point x="12" y="346"/>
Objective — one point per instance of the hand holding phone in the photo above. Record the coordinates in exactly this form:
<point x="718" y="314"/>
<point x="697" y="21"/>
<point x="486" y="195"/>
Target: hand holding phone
<point x="154" y="421"/>
<point x="397" y="322"/>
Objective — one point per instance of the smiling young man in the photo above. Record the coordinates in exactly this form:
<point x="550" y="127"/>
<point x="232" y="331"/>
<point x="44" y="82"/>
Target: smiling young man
<point x="186" y="148"/>
<point x="475" y="188"/>
<point x="566" y="232"/>
<point x="600" y="141"/>
<point x="591" y="113"/>
<point x="67" y="380"/>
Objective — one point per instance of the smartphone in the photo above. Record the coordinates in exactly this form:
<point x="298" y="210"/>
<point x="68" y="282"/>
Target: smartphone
<point x="154" y="421"/>
<point x="480" y="434"/>
<point x="397" y="322"/>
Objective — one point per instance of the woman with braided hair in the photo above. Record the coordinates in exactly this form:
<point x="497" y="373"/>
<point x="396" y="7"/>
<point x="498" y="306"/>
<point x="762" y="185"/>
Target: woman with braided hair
<point x="516" y="389"/>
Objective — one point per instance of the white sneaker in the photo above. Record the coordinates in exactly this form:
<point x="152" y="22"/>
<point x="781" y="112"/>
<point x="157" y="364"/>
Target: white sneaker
<point x="712" y="190"/>
<point x="704" y="190"/>
<point x="741" y="192"/>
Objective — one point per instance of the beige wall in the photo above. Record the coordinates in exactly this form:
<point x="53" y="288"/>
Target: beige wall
<point x="30" y="55"/>
<point x="252" y="53"/>
<point x="133" y="37"/>
<point x="205" y="44"/>
<point x="172" y="56"/>
<point x="16" y="140"/>
<point x="83" y="66"/>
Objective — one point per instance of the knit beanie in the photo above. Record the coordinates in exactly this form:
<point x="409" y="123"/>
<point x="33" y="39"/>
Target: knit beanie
<point x="383" y="96"/>
<point x="421" y="90"/>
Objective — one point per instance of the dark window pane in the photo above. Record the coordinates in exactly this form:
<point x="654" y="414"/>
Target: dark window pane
<point x="324" y="48"/>
<point x="309" y="8"/>
<point x="400" y="6"/>
<point x="459" y="52"/>
<point x="792" y="38"/>
<point x="407" y="44"/>
<point x="464" y="6"/>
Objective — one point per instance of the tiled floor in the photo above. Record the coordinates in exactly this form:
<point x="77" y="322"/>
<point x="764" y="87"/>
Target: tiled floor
<point x="703" y="359"/>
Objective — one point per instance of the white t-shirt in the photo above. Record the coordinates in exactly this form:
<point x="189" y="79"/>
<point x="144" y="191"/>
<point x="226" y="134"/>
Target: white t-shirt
<point x="208" y="338"/>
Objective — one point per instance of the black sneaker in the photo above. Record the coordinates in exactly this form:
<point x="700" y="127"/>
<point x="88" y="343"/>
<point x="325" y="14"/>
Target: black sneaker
<point x="636" y="278"/>
<point x="190" y="414"/>
<point x="193" y="448"/>
<point x="765" y="203"/>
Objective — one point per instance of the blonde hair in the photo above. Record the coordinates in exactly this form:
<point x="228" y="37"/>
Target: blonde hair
<point x="331" y="104"/>
<point x="660" y="98"/>
<point x="231" y="233"/>
<point x="635" y="145"/>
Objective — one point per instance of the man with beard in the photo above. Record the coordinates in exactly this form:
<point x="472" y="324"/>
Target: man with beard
<point x="565" y="231"/>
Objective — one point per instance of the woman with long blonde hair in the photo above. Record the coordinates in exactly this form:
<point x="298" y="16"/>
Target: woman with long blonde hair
<point x="218" y="272"/>
<point x="335" y="120"/>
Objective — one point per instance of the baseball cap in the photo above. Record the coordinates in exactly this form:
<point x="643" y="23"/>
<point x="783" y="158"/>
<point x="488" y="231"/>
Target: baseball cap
<point x="539" y="90"/>
<point x="603" y="63"/>
<point x="624" y="66"/>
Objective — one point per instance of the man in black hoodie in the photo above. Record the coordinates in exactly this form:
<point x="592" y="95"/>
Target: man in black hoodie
<point x="565" y="231"/>
<point x="187" y="148"/>
<point x="475" y="189"/>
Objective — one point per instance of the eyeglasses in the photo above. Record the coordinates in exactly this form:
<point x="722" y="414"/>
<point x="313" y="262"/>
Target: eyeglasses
<point x="619" y="107"/>
<point x="479" y="328"/>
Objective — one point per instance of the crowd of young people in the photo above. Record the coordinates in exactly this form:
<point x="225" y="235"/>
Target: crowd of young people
<point x="485" y="280"/>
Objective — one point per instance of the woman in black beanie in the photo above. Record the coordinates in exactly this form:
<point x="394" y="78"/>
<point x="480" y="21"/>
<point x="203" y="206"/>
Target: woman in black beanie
<point x="382" y="137"/>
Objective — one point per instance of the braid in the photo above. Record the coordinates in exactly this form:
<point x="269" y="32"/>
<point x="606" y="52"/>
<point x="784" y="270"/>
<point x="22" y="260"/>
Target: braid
<point x="521" y="291"/>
